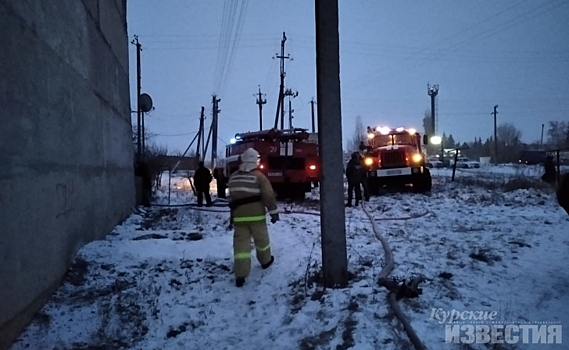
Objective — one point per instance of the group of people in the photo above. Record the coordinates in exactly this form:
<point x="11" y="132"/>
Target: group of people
<point x="356" y="174"/>
<point x="252" y="196"/>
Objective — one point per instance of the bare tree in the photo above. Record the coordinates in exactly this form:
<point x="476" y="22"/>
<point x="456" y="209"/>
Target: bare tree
<point x="359" y="135"/>
<point x="557" y="133"/>
<point x="508" y="134"/>
<point x="153" y="154"/>
<point x="154" y="151"/>
<point x="148" y="137"/>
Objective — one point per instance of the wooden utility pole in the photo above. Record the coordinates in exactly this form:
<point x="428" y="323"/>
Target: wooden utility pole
<point x="280" y="104"/>
<point x="260" y="101"/>
<point x="138" y="89"/>
<point x="495" y="135"/>
<point x="332" y="215"/>
<point x="312" y="110"/>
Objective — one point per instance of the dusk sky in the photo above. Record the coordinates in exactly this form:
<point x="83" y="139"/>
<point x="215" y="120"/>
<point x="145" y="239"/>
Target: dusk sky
<point x="481" y="53"/>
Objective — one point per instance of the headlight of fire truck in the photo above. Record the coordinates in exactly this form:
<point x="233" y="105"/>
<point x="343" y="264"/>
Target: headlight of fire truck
<point x="417" y="157"/>
<point x="368" y="161"/>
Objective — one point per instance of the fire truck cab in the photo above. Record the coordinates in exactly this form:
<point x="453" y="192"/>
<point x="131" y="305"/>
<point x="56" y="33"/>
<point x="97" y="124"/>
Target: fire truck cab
<point x="287" y="157"/>
<point x="393" y="157"/>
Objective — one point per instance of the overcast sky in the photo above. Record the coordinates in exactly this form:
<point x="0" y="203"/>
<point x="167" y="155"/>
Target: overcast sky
<point x="481" y="53"/>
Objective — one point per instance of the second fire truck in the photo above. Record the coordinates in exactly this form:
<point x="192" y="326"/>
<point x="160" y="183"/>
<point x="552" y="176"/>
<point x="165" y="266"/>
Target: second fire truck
<point x="394" y="157"/>
<point x="289" y="159"/>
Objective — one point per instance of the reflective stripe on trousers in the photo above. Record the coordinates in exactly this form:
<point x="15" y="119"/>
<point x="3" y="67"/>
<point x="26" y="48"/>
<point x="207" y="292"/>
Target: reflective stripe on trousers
<point x="242" y="246"/>
<point x="249" y="218"/>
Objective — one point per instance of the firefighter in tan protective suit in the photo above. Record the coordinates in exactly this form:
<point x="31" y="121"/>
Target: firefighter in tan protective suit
<point x="251" y="192"/>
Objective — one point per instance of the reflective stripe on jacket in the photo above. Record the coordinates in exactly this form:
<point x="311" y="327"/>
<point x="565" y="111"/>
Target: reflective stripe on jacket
<point x="246" y="184"/>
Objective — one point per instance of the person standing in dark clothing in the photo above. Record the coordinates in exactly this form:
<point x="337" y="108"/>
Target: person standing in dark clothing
<point x="549" y="168"/>
<point x="202" y="179"/>
<point x="365" y="179"/>
<point x="354" y="172"/>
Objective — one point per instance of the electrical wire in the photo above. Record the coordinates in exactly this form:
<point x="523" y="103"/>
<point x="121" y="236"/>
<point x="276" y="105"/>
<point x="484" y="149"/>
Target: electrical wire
<point x="185" y="134"/>
<point x="236" y="39"/>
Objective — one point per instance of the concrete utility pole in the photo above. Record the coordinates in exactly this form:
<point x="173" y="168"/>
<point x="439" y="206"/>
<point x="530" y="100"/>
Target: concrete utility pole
<point x="312" y="110"/>
<point x="495" y="136"/>
<point x="290" y="110"/>
<point x="280" y="104"/>
<point x="199" y="147"/>
<point x="289" y="93"/>
<point x="214" y="123"/>
<point x="138" y="89"/>
<point x="260" y="101"/>
<point x="332" y="217"/>
<point x="541" y="145"/>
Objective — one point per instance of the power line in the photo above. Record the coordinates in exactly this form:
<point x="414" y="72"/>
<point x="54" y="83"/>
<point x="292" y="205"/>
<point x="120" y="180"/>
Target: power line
<point x="185" y="134"/>
<point x="231" y="26"/>
<point x="236" y="39"/>
<point x="222" y="38"/>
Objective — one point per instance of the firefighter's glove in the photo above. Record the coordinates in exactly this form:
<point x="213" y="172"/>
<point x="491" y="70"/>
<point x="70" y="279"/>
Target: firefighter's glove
<point x="274" y="218"/>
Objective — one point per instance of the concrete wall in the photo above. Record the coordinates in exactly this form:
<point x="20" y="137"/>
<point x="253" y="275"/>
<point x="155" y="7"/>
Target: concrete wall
<point x="66" y="172"/>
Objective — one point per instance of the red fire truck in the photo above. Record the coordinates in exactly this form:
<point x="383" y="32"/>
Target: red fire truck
<point x="394" y="157"/>
<point x="287" y="157"/>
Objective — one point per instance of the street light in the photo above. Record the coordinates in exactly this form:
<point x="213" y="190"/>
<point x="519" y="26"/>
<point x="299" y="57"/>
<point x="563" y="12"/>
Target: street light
<point x="435" y="140"/>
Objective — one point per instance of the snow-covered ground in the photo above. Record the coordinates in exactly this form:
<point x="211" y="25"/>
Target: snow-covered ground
<point x="509" y="170"/>
<point x="163" y="279"/>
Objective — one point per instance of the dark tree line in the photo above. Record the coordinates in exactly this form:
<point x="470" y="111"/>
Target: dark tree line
<point x="509" y="142"/>
<point x="508" y="136"/>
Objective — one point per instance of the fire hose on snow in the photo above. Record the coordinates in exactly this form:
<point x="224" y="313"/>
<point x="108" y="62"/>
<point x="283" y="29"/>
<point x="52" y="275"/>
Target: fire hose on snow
<point x="389" y="264"/>
<point x="383" y="275"/>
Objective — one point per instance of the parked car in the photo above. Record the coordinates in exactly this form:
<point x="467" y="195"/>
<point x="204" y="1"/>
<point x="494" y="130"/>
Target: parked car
<point x="433" y="162"/>
<point x="465" y="162"/>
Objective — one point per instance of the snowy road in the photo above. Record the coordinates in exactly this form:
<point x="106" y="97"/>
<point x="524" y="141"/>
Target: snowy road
<point x="154" y="284"/>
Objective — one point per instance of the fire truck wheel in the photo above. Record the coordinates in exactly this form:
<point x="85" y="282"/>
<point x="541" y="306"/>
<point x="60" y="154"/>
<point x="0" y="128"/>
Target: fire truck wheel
<point x="424" y="183"/>
<point x="373" y="187"/>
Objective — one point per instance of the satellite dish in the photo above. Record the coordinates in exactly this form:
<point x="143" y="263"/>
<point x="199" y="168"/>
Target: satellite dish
<point x="145" y="103"/>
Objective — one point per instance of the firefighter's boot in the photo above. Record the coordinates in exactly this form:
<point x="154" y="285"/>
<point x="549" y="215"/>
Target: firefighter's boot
<point x="240" y="281"/>
<point x="267" y="265"/>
